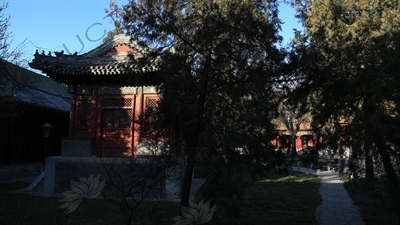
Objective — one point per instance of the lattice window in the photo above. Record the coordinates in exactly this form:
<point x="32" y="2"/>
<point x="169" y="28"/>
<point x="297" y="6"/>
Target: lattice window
<point x="108" y="119"/>
<point x="83" y="112"/>
<point x="116" y="118"/>
<point x="125" y="118"/>
<point x="117" y="112"/>
<point x="116" y="102"/>
<point x="151" y="110"/>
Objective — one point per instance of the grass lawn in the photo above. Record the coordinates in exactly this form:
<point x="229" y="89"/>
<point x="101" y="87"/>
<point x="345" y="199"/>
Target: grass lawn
<point x="291" y="199"/>
<point x="376" y="206"/>
<point x="279" y="200"/>
<point x="28" y="209"/>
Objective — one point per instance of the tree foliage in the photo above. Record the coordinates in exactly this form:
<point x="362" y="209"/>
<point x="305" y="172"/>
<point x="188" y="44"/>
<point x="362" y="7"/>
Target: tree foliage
<point x="110" y="34"/>
<point x="218" y="64"/>
<point x="11" y="78"/>
<point x="354" y="50"/>
<point x="349" y="51"/>
<point x="7" y="53"/>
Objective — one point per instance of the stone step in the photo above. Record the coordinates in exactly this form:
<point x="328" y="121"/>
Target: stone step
<point x="36" y="182"/>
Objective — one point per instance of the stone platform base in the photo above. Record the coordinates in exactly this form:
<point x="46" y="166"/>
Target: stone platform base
<point x="162" y="182"/>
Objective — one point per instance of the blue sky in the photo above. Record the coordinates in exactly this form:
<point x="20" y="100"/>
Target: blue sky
<point x="78" y="25"/>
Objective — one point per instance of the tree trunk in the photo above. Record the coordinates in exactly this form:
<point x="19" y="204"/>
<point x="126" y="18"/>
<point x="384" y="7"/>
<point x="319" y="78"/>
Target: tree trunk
<point x="390" y="174"/>
<point x="293" y="144"/>
<point x="187" y="180"/>
<point x="370" y="132"/>
<point x="191" y="150"/>
<point x="356" y="146"/>
<point x="387" y="164"/>
<point x="369" y="166"/>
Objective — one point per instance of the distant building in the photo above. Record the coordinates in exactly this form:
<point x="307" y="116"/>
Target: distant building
<point x="27" y="101"/>
<point x="304" y="137"/>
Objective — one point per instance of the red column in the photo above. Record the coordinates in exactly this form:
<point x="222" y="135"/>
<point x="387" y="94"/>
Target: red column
<point x="72" y="115"/>
<point x="137" y="111"/>
<point x="298" y="143"/>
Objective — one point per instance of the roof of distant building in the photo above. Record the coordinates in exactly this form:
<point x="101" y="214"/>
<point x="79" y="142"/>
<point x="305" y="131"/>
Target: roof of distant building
<point x="304" y="128"/>
<point x="31" y="88"/>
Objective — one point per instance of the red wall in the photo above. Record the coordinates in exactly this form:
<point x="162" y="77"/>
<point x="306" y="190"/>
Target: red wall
<point x="126" y="136"/>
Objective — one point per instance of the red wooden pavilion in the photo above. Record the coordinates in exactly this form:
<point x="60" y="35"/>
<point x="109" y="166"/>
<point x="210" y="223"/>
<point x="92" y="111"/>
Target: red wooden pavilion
<point x="109" y="94"/>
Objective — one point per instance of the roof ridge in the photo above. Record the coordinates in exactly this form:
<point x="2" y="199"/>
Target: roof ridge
<point x="120" y="39"/>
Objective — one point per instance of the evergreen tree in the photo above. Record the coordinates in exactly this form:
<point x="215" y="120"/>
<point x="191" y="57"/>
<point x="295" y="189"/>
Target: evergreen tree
<point x="218" y="62"/>
<point x="349" y="51"/>
<point x="110" y="34"/>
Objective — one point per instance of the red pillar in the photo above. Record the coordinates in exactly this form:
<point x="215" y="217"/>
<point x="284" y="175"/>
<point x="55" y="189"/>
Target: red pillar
<point x="298" y="143"/>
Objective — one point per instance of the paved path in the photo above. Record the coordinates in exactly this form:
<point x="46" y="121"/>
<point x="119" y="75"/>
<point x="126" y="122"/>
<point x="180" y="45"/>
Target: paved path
<point x="337" y="207"/>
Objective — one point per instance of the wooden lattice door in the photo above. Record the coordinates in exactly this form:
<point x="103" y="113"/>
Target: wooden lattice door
<point x="116" y="127"/>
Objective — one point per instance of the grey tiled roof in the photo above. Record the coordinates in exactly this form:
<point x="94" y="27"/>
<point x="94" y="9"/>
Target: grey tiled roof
<point x="30" y="88"/>
<point x="42" y="99"/>
<point x="95" y="62"/>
